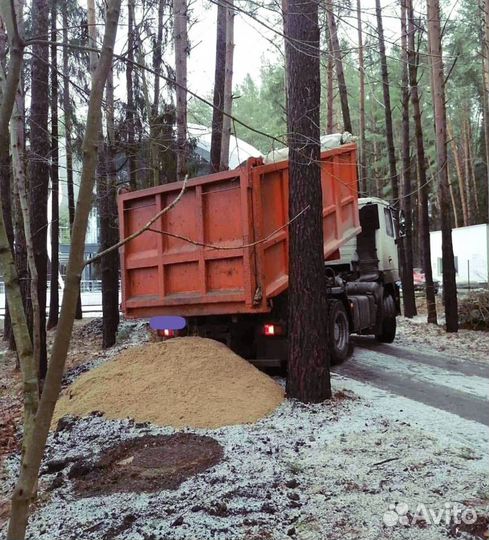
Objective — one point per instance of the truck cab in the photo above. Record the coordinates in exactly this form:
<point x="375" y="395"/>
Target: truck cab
<point x="375" y="249"/>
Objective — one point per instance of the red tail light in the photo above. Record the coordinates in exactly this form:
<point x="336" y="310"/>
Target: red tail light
<point x="273" y="329"/>
<point x="269" y="330"/>
<point x="166" y="333"/>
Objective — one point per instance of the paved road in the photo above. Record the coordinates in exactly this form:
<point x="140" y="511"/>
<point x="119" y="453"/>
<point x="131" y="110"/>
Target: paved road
<point x="456" y="385"/>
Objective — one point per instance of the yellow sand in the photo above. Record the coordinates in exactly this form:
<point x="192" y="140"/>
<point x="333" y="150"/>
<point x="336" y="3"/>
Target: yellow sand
<point x="188" y="381"/>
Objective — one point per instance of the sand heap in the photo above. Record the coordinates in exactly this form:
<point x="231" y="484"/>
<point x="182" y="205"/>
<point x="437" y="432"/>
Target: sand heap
<point x="187" y="381"/>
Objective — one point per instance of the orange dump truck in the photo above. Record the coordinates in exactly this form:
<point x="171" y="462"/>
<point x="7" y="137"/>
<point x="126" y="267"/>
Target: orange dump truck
<point x="219" y="257"/>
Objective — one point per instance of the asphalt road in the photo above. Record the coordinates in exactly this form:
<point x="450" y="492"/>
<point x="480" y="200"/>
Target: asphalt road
<point x="456" y="385"/>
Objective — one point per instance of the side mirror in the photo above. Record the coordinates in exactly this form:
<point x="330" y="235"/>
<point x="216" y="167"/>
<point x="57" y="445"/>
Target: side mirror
<point x="402" y="224"/>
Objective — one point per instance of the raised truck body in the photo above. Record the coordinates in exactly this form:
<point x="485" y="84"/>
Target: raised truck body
<point x="221" y="258"/>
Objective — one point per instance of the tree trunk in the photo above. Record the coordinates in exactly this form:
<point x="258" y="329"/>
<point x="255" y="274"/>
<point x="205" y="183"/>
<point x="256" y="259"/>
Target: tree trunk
<point x="219" y="79"/>
<point x="180" y="12"/>
<point x="438" y="90"/>
<point x="460" y="173"/>
<point x="335" y="50"/>
<point x="17" y="140"/>
<point x="308" y="368"/>
<point x="468" y="166"/>
<point x="472" y="182"/>
<point x="228" y="87"/>
<point x="485" y="64"/>
<point x="330" y="97"/>
<point x="109" y="231"/>
<point x="54" y="296"/>
<point x="130" y="110"/>
<point x="407" y="283"/>
<point x="154" y="119"/>
<point x="5" y="194"/>
<point x="456" y="221"/>
<point x="38" y="162"/>
<point x="17" y="145"/>
<point x="5" y="185"/>
<point x="424" y="219"/>
<point x="362" y="160"/>
<point x="32" y="460"/>
<point x="68" y="124"/>
<point x="157" y="58"/>
<point x="391" y="152"/>
<point x="20" y="328"/>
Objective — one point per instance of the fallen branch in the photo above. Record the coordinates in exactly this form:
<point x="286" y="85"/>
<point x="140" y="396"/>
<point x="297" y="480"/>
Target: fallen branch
<point x="384" y="461"/>
<point x="143" y="229"/>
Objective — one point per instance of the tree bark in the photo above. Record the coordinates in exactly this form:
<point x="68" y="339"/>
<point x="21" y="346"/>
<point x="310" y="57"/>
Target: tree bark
<point x="180" y="10"/>
<point x="438" y="91"/>
<point x="68" y="123"/>
<point x="20" y="328"/>
<point x="130" y="110"/>
<point x="362" y="158"/>
<point x="460" y="173"/>
<point x="472" y="194"/>
<point x="32" y="460"/>
<point x="391" y="152"/>
<point x="485" y="65"/>
<point x="219" y="78"/>
<point x="5" y="188"/>
<point x="109" y="231"/>
<point x="407" y="283"/>
<point x="157" y="58"/>
<point x="54" y="292"/>
<point x="424" y="220"/>
<point x="468" y="165"/>
<point x="308" y="368"/>
<point x="330" y="97"/>
<point x="335" y="50"/>
<point x="38" y="162"/>
<point x="228" y="87"/>
<point x="456" y="221"/>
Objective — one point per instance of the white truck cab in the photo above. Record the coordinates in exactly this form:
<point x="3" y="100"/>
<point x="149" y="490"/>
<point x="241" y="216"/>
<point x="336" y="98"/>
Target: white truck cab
<point x="376" y="247"/>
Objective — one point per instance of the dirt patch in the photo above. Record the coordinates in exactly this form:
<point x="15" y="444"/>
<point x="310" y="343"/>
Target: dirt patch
<point x="181" y="382"/>
<point x="477" y="530"/>
<point x="147" y="464"/>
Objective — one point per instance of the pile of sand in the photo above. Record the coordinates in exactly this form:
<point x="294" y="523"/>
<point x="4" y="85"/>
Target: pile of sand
<point x="181" y="382"/>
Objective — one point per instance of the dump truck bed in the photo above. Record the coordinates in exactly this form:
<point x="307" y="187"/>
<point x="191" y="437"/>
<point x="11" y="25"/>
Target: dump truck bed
<point x="223" y="248"/>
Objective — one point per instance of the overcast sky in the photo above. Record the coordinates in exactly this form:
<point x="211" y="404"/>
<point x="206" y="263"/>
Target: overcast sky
<point x="252" y="40"/>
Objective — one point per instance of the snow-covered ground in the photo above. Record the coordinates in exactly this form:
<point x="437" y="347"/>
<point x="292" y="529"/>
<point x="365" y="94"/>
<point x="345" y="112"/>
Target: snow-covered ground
<point x="368" y="464"/>
<point x="310" y="472"/>
<point x="417" y="333"/>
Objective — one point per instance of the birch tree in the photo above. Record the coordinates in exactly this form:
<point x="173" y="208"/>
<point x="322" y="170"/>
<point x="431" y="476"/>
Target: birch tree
<point x="32" y="458"/>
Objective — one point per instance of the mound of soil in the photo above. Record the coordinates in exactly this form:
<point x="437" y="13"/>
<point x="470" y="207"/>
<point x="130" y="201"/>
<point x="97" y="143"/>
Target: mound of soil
<point x="181" y="382"/>
<point x="147" y="464"/>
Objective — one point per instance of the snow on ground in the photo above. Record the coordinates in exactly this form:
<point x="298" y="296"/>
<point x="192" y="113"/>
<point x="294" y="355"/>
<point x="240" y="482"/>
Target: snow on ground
<point x="309" y="472"/>
<point x="425" y="337"/>
<point x="356" y="467"/>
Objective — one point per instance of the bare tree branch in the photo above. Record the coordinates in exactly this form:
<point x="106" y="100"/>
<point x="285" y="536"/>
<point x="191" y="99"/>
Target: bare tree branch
<point x="143" y="229"/>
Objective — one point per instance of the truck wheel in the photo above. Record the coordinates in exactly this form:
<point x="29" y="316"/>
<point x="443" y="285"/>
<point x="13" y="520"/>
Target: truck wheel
<point x="339" y="332"/>
<point x="389" y="323"/>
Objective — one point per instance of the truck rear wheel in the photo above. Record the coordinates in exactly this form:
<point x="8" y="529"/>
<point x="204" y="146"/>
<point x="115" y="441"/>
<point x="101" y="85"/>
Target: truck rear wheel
<point x="389" y="324"/>
<point x="339" y="332"/>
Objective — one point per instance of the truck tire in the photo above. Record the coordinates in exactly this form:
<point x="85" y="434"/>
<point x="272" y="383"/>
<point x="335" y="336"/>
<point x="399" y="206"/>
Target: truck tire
<point x="389" y="324"/>
<point x="339" y="332"/>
